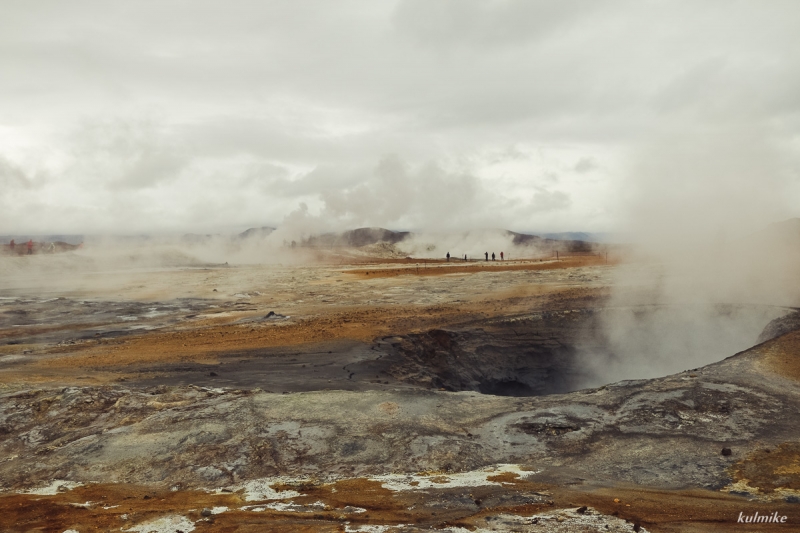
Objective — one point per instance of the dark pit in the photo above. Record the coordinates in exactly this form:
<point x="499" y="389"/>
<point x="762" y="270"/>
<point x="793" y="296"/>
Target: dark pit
<point x="563" y="351"/>
<point x="542" y="353"/>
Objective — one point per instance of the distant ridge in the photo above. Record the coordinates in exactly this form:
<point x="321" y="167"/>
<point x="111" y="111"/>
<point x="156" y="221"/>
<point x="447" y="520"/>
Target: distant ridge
<point x="584" y="236"/>
<point x="194" y="238"/>
<point x="263" y="231"/>
<point x="524" y="239"/>
<point x="67" y="239"/>
<point x="357" y="237"/>
<point x="572" y="245"/>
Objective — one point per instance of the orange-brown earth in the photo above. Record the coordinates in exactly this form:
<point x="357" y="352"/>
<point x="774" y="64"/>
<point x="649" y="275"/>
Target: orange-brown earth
<point x="324" y="507"/>
<point x="210" y="338"/>
<point x="456" y="266"/>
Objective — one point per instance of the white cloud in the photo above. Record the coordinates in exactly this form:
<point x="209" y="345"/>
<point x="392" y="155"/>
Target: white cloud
<point x="545" y="200"/>
<point x="234" y="113"/>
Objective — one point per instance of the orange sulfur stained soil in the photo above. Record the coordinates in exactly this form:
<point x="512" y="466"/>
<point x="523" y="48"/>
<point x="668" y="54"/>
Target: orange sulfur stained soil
<point x="211" y="338"/>
<point x="442" y="268"/>
<point x="780" y="355"/>
<point x="362" y="502"/>
<point x="770" y="468"/>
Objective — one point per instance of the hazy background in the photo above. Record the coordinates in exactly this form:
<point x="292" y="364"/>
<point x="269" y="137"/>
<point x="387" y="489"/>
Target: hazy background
<point x="173" y="116"/>
<point x="674" y="123"/>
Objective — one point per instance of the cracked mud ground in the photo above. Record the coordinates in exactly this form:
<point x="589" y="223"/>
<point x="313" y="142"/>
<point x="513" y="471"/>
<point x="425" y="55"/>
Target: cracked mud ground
<point x="375" y="397"/>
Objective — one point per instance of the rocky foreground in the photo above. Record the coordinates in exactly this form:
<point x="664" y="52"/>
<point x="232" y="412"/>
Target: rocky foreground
<point x="380" y="401"/>
<point x="116" y="457"/>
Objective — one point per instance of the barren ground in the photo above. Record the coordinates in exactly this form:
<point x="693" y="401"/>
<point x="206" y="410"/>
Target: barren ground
<point x="393" y="395"/>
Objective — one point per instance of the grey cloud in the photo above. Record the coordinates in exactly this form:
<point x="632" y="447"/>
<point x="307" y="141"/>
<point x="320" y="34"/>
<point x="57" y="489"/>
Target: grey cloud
<point x="252" y="95"/>
<point x="717" y="182"/>
<point x="397" y="194"/>
<point x="13" y="176"/>
<point x="544" y="201"/>
<point x="268" y="176"/>
<point x="267" y="137"/>
<point x="478" y="23"/>
<point x="585" y="164"/>
<point x="123" y="154"/>
<point x="278" y="181"/>
<point x="325" y="178"/>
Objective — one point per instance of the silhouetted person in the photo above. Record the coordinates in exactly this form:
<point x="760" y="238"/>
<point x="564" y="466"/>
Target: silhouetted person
<point x="12" y="245"/>
<point x="30" y="246"/>
<point x="448" y="257"/>
<point x="492" y="256"/>
<point x="501" y="256"/>
<point x="487" y="255"/>
<point x="465" y="257"/>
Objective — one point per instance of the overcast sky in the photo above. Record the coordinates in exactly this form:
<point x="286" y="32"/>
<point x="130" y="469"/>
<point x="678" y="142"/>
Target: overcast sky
<point x="172" y="116"/>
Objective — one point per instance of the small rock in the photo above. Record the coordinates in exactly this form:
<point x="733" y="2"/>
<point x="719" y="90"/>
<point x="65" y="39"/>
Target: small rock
<point x="726" y="451"/>
<point x="212" y="374"/>
<point x="792" y="499"/>
<point x="581" y="510"/>
<point x="206" y="512"/>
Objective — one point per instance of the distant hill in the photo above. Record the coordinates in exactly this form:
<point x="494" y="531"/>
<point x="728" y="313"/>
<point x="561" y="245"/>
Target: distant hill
<point x="571" y="245"/>
<point x="194" y="238"/>
<point x="524" y="239"/>
<point x="263" y="231"/>
<point x="584" y="236"/>
<point x="67" y="239"/>
<point x="357" y="237"/>
<point x="365" y="236"/>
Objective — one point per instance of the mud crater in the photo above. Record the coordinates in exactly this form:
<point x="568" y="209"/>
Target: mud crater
<point x="523" y="356"/>
<point x="557" y="352"/>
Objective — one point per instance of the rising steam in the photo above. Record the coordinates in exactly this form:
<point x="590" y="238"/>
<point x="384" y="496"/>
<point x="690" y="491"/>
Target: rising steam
<point x="703" y="282"/>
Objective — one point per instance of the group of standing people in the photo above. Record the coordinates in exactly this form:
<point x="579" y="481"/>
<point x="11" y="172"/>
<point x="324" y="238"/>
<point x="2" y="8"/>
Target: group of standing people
<point x="13" y="246"/>
<point x="502" y="256"/>
<point x="42" y="247"/>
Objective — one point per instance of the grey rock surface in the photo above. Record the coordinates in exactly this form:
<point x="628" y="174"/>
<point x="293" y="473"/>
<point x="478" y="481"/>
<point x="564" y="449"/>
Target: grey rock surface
<point x="664" y="432"/>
